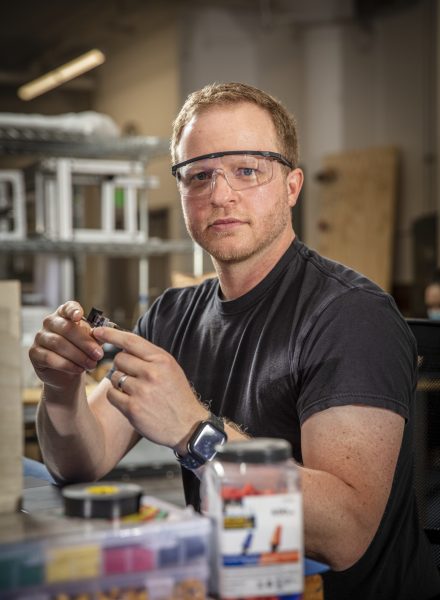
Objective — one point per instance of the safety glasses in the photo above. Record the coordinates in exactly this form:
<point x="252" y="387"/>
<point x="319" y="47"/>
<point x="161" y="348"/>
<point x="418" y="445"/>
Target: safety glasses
<point x="242" y="169"/>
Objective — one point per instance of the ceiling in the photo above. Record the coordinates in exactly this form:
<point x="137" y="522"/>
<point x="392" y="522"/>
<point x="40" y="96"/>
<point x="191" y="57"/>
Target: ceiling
<point x="39" y="35"/>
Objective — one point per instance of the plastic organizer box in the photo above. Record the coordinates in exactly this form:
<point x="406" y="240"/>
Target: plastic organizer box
<point x="162" y="553"/>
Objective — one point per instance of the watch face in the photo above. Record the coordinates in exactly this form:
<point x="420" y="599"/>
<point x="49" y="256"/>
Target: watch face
<point x="204" y="441"/>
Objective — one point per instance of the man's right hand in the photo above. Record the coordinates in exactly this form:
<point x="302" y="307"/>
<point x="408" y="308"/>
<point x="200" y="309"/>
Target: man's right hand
<point x="64" y="348"/>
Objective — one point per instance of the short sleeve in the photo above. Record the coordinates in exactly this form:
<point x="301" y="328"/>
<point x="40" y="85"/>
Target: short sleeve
<point x="358" y="351"/>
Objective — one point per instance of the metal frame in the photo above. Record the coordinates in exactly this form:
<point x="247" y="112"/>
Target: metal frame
<point x="54" y="181"/>
<point x="17" y="202"/>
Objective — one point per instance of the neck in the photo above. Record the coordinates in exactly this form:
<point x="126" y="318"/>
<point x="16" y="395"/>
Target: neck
<point x="236" y="279"/>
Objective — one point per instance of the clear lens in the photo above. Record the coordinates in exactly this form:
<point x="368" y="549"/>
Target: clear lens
<point x="240" y="171"/>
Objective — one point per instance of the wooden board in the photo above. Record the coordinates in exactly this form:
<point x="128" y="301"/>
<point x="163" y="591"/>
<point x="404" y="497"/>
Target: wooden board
<point x="11" y="420"/>
<point x="357" y="211"/>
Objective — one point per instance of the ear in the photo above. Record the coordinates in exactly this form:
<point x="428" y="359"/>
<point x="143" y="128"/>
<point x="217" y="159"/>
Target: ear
<point x="294" y="184"/>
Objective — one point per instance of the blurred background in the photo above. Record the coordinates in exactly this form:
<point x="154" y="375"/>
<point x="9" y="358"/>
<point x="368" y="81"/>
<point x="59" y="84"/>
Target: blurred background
<point x="88" y="207"/>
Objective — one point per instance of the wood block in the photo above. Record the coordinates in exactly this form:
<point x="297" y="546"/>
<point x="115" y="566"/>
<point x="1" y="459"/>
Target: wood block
<point x="357" y="211"/>
<point x="11" y="418"/>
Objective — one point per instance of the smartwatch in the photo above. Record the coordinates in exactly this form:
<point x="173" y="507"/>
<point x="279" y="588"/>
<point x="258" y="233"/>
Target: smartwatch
<point x="201" y="445"/>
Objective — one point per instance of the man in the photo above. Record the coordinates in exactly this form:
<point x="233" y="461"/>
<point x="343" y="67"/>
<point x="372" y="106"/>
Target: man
<point x="432" y="297"/>
<point x="284" y="344"/>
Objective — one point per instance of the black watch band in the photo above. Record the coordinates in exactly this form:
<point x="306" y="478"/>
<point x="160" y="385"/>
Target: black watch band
<point x="188" y="461"/>
<point x="218" y="422"/>
<point x="193" y="460"/>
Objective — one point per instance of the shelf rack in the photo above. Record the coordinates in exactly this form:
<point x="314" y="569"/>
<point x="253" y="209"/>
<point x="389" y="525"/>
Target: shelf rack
<point x="141" y="148"/>
<point x="62" y="243"/>
<point x="87" y="134"/>
<point x="151" y="247"/>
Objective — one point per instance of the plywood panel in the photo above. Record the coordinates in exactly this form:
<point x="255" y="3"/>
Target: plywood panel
<point x="357" y="211"/>
<point x="11" y="422"/>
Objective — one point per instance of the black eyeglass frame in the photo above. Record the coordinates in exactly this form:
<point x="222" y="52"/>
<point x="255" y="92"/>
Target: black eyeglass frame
<point x="264" y="153"/>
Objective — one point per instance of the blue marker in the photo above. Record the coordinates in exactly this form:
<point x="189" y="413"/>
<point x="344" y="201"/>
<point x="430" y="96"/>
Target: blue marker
<point x="247" y="543"/>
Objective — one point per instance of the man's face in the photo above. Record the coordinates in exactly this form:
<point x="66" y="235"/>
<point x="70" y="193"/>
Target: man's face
<point x="234" y="225"/>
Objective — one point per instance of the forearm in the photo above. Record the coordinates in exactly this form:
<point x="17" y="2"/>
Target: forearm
<point x="338" y="524"/>
<point x="71" y="438"/>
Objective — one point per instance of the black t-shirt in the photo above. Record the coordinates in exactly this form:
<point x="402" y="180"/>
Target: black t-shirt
<point x="313" y="334"/>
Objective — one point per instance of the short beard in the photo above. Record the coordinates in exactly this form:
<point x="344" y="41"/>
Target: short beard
<point x="276" y="222"/>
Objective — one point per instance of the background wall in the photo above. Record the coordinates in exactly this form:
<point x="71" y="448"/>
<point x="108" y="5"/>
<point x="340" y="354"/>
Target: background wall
<point x="139" y="88"/>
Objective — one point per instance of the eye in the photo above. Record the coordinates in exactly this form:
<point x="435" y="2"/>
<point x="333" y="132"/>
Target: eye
<point x="245" y="168"/>
<point x="197" y="176"/>
<point x="194" y="177"/>
<point x="201" y="176"/>
<point x="247" y="171"/>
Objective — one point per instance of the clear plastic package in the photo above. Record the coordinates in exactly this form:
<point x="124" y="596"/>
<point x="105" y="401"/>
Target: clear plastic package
<point x="251" y="491"/>
<point x="161" y="553"/>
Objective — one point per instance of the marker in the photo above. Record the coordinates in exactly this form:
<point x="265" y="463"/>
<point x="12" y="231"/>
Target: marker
<point x="247" y="543"/>
<point x="276" y="538"/>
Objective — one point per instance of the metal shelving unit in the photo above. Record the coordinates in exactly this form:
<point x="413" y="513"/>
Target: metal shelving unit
<point x="152" y="247"/>
<point x="56" y="237"/>
<point x="89" y="135"/>
<point x="131" y="148"/>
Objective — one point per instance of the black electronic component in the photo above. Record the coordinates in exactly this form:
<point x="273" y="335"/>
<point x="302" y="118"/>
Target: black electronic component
<point x="96" y="318"/>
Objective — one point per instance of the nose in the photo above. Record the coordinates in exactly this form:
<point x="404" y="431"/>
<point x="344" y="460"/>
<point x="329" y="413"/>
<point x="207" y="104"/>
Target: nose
<point x="220" y="188"/>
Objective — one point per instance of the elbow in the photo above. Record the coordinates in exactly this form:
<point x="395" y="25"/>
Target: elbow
<point x="63" y="475"/>
<point x="351" y="544"/>
<point x="64" y="470"/>
<point x="348" y="555"/>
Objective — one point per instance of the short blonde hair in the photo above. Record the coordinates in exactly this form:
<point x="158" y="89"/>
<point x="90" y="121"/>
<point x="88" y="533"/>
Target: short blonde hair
<point x="217" y="94"/>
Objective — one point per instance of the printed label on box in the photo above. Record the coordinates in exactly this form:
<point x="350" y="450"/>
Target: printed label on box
<point x="73" y="563"/>
<point x="261" y="546"/>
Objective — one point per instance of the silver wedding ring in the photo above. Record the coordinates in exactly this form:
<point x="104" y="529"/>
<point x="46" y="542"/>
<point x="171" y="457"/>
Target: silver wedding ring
<point x="121" y="382"/>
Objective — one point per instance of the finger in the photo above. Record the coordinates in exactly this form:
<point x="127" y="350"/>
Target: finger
<point x="85" y="357"/>
<point x="130" y="342"/>
<point x="43" y="358"/>
<point x="71" y="310"/>
<point x="119" y="400"/>
<point x="76" y="333"/>
<point x="132" y="365"/>
<point x="122" y="381"/>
